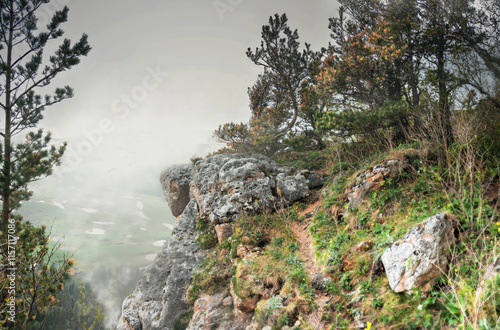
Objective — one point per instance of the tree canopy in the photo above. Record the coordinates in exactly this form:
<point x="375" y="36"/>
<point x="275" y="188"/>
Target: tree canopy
<point x="392" y="70"/>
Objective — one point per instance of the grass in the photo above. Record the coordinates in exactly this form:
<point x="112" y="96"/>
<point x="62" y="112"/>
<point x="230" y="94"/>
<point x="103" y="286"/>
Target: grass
<point x="274" y="274"/>
<point x="348" y="243"/>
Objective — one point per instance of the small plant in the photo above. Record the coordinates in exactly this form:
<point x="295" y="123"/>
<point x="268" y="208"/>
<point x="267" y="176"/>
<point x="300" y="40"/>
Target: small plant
<point x="273" y="304"/>
<point x="345" y="281"/>
<point x="195" y="159"/>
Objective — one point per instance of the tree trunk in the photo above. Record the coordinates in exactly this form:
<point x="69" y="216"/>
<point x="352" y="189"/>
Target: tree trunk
<point x="444" y="106"/>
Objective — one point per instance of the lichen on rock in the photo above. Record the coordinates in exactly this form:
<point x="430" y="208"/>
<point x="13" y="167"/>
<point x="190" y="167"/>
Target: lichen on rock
<point x="218" y="190"/>
<point x="421" y="255"/>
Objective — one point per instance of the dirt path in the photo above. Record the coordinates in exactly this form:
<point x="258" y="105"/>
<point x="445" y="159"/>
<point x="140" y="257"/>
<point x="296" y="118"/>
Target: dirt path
<point x="306" y="252"/>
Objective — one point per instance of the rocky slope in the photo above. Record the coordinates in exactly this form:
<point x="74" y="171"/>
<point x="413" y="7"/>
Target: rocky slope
<point x="239" y="258"/>
<point x="218" y="190"/>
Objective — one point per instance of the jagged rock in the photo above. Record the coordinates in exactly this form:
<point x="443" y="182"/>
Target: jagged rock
<point x="215" y="313"/>
<point x="218" y="188"/>
<point x="313" y="179"/>
<point x="131" y="319"/>
<point x="158" y="300"/>
<point x="210" y="313"/>
<point x="243" y="304"/>
<point x="320" y="282"/>
<point x="292" y="188"/>
<point x="224" y="231"/>
<point x="370" y="180"/>
<point x="226" y="185"/>
<point x="247" y="252"/>
<point x="175" y="182"/>
<point x="421" y="255"/>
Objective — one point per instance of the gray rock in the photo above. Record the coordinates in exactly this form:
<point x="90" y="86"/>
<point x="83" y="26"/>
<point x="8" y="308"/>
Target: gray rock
<point x="227" y="185"/>
<point x="175" y="182"/>
<point x="421" y="255"/>
<point x="212" y="312"/>
<point x="493" y="270"/>
<point x="218" y="188"/>
<point x="371" y="179"/>
<point x="158" y="300"/>
<point x="320" y="282"/>
<point x="292" y="188"/>
<point x="314" y="180"/>
<point x="208" y="311"/>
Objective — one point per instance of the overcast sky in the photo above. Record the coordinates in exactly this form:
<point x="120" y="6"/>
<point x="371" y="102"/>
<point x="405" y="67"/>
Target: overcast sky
<point x="162" y="75"/>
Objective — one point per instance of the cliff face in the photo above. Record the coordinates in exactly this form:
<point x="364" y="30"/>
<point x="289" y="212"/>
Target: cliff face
<point x="158" y="299"/>
<point x="216" y="190"/>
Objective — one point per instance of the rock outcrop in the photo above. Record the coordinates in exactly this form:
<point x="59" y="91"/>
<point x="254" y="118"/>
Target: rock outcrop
<point x="218" y="190"/>
<point x="215" y="312"/>
<point x="227" y="185"/>
<point x="421" y="255"/>
<point x="371" y="179"/>
<point x="158" y="300"/>
<point x="175" y="182"/>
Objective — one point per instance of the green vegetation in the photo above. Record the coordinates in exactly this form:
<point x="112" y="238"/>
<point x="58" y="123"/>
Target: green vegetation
<point x="349" y="241"/>
<point x="29" y="268"/>
<point x="412" y="81"/>
<point x="77" y="308"/>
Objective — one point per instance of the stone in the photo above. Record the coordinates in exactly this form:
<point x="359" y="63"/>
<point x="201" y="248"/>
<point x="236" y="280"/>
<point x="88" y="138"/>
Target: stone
<point x="370" y="180"/>
<point x="175" y="182"/>
<point x="320" y="281"/>
<point x="159" y="298"/>
<point x="215" y="312"/>
<point x="208" y="312"/>
<point x="247" y="252"/>
<point x="493" y="270"/>
<point x="421" y="255"/>
<point x="224" y="231"/>
<point x="313" y="179"/>
<point x="245" y="304"/>
<point x="219" y="188"/>
<point x="131" y="319"/>
<point x="227" y="185"/>
<point x="292" y="188"/>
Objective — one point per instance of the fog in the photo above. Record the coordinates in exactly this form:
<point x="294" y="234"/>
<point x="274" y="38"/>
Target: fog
<point x="162" y="75"/>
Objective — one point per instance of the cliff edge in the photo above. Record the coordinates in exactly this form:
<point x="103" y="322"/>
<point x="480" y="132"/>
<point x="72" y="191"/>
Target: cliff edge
<point x="215" y="191"/>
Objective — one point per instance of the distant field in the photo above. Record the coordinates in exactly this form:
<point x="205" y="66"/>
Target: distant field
<point x="116" y="228"/>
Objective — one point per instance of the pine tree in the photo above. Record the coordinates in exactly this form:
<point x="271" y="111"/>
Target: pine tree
<point x="23" y="74"/>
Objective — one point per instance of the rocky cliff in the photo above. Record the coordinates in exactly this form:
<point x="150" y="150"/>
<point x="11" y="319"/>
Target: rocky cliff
<point x="260" y="246"/>
<point x="216" y="190"/>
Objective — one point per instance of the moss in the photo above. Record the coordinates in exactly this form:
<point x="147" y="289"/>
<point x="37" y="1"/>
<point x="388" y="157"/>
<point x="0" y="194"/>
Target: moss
<point x="183" y="321"/>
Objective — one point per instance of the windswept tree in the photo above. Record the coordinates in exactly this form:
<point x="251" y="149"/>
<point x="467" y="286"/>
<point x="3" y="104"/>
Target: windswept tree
<point x="276" y="98"/>
<point x="24" y="74"/>
<point x="286" y="66"/>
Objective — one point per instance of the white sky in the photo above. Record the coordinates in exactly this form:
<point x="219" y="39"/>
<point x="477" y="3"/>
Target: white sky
<point x="201" y="81"/>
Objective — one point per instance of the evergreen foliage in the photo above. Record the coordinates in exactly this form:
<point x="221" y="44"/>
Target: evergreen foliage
<point x="394" y="71"/>
<point x="23" y="75"/>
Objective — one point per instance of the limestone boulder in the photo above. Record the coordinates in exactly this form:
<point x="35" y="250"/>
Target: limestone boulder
<point x="421" y="255"/>
<point x="227" y="185"/>
<point x="224" y="231"/>
<point x="213" y="312"/>
<point x="175" y="182"/>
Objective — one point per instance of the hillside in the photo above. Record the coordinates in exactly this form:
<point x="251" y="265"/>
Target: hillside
<point x="385" y="242"/>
